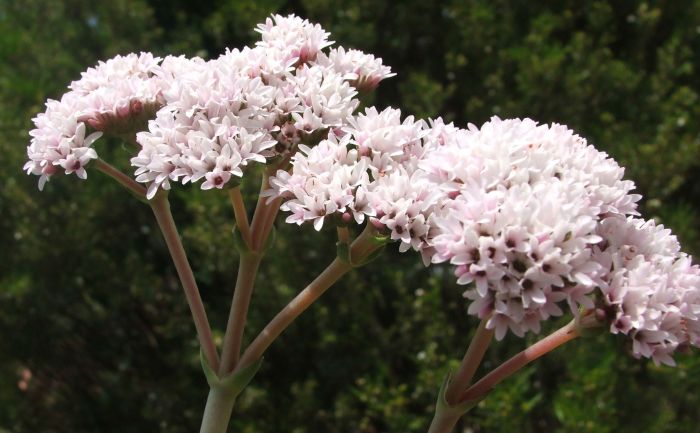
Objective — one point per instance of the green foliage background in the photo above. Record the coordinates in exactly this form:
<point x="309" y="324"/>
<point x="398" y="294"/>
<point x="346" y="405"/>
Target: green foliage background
<point x="90" y="303"/>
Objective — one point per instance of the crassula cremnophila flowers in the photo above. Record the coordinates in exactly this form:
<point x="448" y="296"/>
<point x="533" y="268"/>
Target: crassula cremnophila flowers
<point x="213" y="117"/>
<point x="534" y="220"/>
<point x="532" y="217"/>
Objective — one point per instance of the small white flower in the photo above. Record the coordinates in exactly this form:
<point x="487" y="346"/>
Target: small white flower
<point x="363" y="71"/>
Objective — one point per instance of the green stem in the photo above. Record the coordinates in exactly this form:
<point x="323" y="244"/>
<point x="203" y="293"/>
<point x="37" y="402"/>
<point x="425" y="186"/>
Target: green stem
<point x="161" y="209"/>
<point x="217" y="412"/>
<point x="447" y="414"/>
<point x="444" y="422"/>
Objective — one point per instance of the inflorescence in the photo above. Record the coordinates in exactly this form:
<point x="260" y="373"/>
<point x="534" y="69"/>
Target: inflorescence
<point x="533" y="219"/>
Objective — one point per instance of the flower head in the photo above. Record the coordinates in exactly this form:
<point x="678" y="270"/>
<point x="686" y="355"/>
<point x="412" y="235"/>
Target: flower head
<point x="114" y="95"/>
<point x="207" y="120"/>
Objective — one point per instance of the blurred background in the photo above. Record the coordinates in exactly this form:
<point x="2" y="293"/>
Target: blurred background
<point x="95" y="334"/>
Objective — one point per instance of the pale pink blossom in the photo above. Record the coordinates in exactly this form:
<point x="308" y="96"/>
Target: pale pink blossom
<point x="113" y="94"/>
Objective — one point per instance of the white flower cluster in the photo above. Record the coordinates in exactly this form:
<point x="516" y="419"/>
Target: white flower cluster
<point x="113" y="91"/>
<point x="369" y="171"/>
<point x="294" y="38"/>
<point x="363" y="70"/>
<point x="651" y="288"/>
<point x="116" y="85"/>
<point x="209" y="119"/>
<point x="527" y="199"/>
<point x="530" y="215"/>
<point x="213" y="123"/>
<point x="248" y="105"/>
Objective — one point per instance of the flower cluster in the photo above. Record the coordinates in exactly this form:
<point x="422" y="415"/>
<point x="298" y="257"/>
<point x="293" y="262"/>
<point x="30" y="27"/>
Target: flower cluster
<point x="208" y="119"/>
<point x="363" y="70"/>
<point x="250" y="105"/>
<point x="526" y="201"/>
<point x="531" y="216"/>
<point x="368" y="169"/>
<point x="108" y="95"/>
<point x="650" y="291"/>
<point x="293" y="38"/>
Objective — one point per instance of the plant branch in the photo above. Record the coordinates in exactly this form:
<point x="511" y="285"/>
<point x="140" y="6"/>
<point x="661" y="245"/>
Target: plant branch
<point x="343" y="234"/>
<point x="361" y="248"/>
<point x="470" y="363"/>
<point x="271" y="211"/>
<point x="217" y="412"/>
<point x="240" y="214"/>
<point x="505" y="370"/>
<point x="444" y="422"/>
<point x="260" y="209"/>
<point x="248" y="265"/>
<point x="121" y="178"/>
<point x="247" y="271"/>
<point x="161" y="209"/>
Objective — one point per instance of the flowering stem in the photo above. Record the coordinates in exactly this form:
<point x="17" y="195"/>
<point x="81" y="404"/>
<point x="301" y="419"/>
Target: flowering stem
<point x="161" y="209"/>
<point x="222" y="396"/>
<point x="259" y="231"/>
<point x="444" y="422"/>
<point x="217" y="412"/>
<point x="271" y="211"/>
<point x="121" y="178"/>
<point x="470" y="362"/>
<point x="240" y="213"/>
<point x="247" y="271"/>
<point x="343" y="234"/>
<point x="291" y="311"/>
<point x="505" y="370"/>
<point x="360" y="249"/>
<point x="260" y="209"/>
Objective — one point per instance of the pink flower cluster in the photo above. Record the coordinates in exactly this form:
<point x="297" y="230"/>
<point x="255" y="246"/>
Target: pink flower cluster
<point x="650" y="289"/>
<point x="367" y="169"/>
<point x="250" y="105"/>
<point x="209" y="119"/>
<point x="531" y="216"/>
<point x="116" y="89"/>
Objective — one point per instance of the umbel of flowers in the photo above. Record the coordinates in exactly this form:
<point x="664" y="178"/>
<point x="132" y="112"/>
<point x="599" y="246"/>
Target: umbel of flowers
<point x="534" y="220"/>
<point x="212" y="118"/>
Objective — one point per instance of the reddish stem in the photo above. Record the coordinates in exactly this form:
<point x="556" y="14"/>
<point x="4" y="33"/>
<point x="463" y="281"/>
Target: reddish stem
<point x="259" y="231"/>
<point x="240" y="214"/>
<point x="470" y="363"/>
<point x="161" y="209"/>
<point x="505" y="370"/>
<point x="361" y="248"/>
<point x="121" y="178"/>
